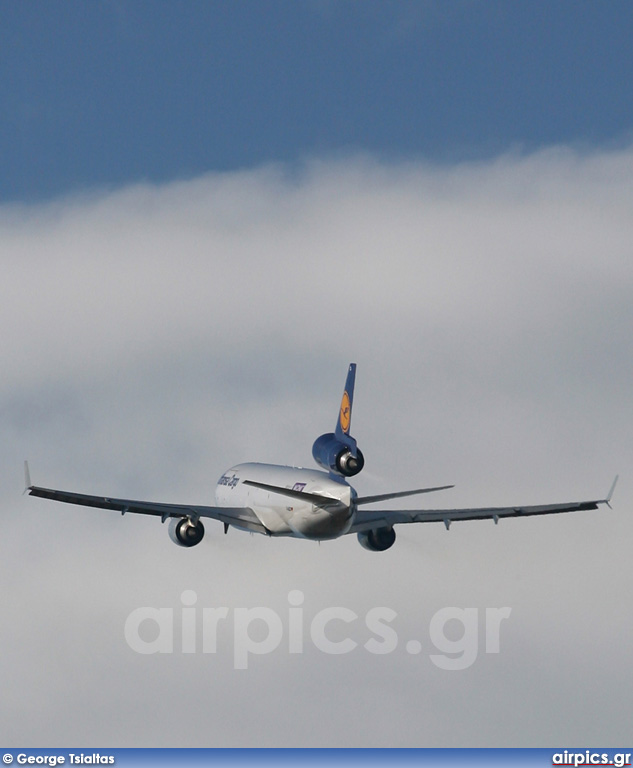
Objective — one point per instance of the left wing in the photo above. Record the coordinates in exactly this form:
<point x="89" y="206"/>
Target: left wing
<point x="366" y="520"/>
<point x="240" y="517"/>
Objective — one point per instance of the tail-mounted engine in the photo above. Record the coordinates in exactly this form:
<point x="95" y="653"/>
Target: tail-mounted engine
<point x="337" y="451"/>
<point x="185" y="532"/>
<point x="378" y="539"/>
<point x="336" y="456"/>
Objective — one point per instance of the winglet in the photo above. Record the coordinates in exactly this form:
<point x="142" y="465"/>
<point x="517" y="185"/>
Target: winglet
<point x="608" y="499"/>
<point x="27" y="478"/>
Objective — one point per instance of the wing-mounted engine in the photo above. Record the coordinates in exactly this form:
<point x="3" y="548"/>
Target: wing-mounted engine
<point x="337" y="451"/>
<point x="378" y="539"/>
<point x="185" y="532"/>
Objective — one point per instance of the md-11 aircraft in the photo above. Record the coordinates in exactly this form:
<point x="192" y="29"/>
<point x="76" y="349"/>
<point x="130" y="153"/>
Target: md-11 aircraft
<point x="304" y="503"/>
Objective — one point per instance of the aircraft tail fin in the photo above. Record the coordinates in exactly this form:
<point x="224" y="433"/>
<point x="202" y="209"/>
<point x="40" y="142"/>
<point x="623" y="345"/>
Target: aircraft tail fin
<point x="337" y="451"/>
<point x="344" y="421"/>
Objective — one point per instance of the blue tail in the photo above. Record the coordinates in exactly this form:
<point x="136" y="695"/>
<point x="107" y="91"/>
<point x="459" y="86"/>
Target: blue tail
<point x="337" y="451"/>
<point x="344" y="423"/>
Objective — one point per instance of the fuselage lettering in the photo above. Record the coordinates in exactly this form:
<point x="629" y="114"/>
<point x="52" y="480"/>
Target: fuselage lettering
<point x="229" y="480"/>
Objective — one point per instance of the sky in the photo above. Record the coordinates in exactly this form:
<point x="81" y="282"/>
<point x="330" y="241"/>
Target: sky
<point x="207" y="211"/>
<point x="107" y="93"/>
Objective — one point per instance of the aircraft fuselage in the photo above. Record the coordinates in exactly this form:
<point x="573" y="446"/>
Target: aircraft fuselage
<point x="285" y="515"/>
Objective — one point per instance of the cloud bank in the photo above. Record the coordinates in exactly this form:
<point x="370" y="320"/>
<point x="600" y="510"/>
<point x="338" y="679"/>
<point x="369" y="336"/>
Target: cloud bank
<point x="155" y="335"/>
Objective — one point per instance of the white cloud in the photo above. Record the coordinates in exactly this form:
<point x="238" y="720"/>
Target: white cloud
<point x="153" y="336"/>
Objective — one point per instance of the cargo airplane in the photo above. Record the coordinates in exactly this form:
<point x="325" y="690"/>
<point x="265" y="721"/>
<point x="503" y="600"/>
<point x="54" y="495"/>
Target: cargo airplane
<point x="315" y="504"/>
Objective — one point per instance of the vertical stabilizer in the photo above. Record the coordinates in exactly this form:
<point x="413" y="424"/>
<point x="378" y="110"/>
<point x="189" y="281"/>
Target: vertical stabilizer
<point x="344" y="422"/>
<point x="337" y="451"/>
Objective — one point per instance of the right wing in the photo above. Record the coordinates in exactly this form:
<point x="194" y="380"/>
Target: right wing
<point x="365" y="520"/>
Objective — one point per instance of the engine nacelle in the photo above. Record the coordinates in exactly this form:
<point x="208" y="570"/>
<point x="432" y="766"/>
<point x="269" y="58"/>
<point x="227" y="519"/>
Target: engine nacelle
<point x="331" y="454"/>
<point x="378" y="539"/>
<point x="185" y="532"/>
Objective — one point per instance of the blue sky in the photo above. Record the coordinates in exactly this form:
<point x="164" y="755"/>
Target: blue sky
<point x="104" y="93"/>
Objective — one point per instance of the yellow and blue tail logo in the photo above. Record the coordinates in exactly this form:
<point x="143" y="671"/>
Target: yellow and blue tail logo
<point x="344" y="422"/>
<point x="345" y="416"/>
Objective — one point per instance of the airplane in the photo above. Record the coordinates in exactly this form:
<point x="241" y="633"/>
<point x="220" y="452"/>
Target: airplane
<point x="311" y="504"/>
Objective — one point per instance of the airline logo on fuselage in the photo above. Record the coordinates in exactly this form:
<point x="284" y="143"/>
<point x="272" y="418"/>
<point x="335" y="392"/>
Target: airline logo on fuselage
<point x="229" y="480"/>
<point x="345" y="413"/>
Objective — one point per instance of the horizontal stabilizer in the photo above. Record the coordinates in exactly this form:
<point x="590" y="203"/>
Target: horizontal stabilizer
<point x="399" y="494"/>
<point x="315" y="498"/>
